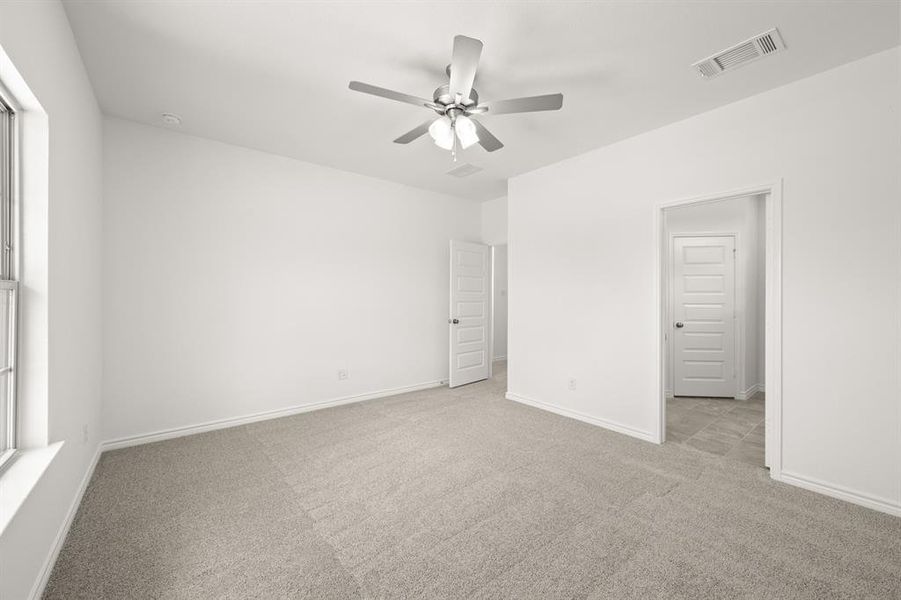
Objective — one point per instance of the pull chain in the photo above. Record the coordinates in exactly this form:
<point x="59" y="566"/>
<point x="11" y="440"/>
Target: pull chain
<point x="454" y="132"/>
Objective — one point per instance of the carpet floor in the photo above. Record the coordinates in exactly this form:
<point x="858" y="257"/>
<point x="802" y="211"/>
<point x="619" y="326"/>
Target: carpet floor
<point x="458" y="494"/>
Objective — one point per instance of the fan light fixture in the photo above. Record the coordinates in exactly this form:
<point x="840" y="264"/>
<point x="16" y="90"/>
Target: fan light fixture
<point x="442" y="132"/>
<point x="457" y="101"/>
<point x="466" y="131"/>
<point x="444" y="129"/>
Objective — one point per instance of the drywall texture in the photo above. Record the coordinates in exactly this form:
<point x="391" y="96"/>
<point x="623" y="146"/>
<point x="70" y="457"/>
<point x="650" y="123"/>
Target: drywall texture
<point x="743" y="218"/>
<point x="494" y="221"/>
<point x="500" y="302"/>
<point x="37" y="38"/>
<point x="238" y="282"/>
<point x="583" y="238"/>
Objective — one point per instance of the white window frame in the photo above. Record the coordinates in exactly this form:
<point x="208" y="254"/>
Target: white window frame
<point x="8" y="284"/>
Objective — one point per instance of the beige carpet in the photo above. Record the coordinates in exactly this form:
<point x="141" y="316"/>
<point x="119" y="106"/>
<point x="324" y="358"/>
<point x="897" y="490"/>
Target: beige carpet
<point x="458" y="494"/>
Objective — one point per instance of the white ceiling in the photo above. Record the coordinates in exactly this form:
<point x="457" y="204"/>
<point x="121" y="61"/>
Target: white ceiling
<point x="273" y="75"/>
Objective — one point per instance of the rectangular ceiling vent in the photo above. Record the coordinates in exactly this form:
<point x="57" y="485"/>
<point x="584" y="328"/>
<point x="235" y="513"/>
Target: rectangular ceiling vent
<point x="464" y="170"/>
<point x="757" y="47"/>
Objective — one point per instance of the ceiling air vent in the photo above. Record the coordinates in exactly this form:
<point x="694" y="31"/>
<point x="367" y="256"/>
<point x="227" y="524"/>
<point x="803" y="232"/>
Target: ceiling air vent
<point x="748" y="51"/>
<point x="464" y="170"/>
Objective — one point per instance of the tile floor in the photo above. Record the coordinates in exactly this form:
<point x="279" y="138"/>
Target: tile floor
<point x="719" y="426"/>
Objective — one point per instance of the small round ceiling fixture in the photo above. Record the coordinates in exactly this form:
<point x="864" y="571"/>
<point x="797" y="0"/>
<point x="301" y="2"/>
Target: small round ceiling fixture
<point x="171" y="119"/>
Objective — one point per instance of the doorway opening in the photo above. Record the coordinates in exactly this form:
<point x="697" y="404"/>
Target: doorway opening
<point x="499" y="313"/>
<point x="720" y="384"/>
<point x="477" y="318"/>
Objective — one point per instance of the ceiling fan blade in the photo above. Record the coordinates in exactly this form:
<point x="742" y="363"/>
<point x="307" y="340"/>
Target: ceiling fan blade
<point x="359" y="86"/>
<point x="414" y="133"/>
<point x="463" y="65"/>
<point x="530" y="104"/>
<point x="486" y="138"/>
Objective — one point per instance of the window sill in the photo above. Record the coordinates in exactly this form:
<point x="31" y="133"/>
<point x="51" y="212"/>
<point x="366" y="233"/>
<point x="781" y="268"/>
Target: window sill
<point x="20" y="477"/>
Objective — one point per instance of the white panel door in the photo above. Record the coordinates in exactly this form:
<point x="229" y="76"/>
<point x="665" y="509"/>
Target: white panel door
<point x="469" y="319"/>
<point x="704" y="316"/>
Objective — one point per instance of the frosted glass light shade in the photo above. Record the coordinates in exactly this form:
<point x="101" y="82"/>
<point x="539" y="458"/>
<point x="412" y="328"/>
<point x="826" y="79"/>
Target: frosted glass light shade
<point x="442" y="132"/>
<point x="466" y="131"/>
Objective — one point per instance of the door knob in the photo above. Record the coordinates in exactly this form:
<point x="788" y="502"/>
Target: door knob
<point x="680" y="324"/>
<point x="454" y="321"/>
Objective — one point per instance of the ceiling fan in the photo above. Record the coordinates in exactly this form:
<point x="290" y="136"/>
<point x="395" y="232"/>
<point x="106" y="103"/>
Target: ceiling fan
<point x="457" y="101"/>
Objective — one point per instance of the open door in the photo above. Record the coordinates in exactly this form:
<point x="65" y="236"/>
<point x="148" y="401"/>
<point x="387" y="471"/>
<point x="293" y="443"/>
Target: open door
<point x="469" y="320"/>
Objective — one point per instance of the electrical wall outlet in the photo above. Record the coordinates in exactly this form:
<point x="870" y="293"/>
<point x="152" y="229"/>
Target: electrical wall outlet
<point x="342" y="374"/>
<point x="572" y="384"/>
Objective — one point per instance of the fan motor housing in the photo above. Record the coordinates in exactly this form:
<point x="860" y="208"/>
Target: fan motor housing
<point x="442" y="96"/>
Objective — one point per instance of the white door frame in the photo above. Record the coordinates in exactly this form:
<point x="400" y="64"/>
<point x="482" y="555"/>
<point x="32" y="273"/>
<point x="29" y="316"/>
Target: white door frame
<point x="772" y="318"/>
<point x="737" y="299"/>
<point x="492" y="292"/>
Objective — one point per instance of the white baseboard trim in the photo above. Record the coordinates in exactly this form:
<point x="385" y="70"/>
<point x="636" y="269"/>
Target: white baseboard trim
<point x="166" y="434"/>
<point x="842" y="493"/>
<point x="38" y="590"/>
<point x="579" y="416"/>
<point x="750" y="392"/>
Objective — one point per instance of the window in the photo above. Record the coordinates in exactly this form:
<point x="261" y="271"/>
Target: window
<point x="8" y="287"/>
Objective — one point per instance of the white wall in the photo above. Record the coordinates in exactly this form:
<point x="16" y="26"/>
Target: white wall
<point x="36" y="36"/>
<point x="500" y="302"/>
<point x="741" y="216"/>
<point x="494" y="221"/>
<point x="583" y="238"/>
<point x="238" y="282"/>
